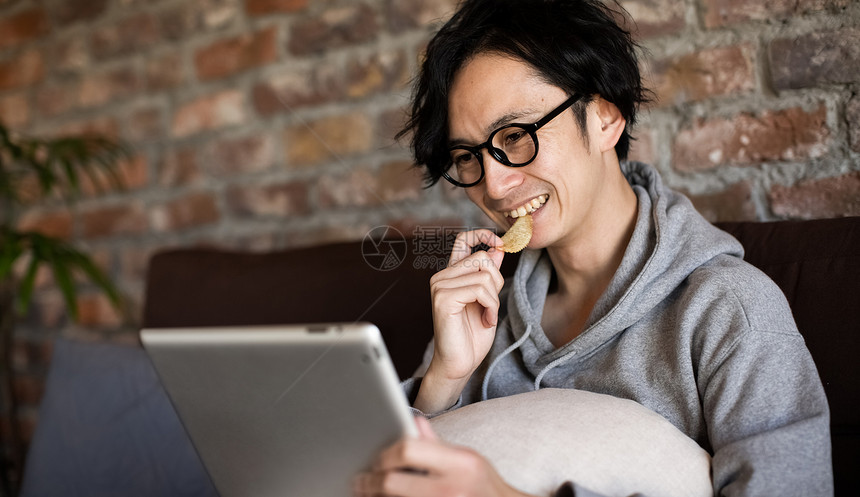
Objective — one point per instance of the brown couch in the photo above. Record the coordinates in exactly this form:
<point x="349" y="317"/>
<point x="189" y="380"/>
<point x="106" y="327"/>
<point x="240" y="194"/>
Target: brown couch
<point x="816" y="263"/>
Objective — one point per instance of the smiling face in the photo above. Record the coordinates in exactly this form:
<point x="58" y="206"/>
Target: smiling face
<point x="562" y="187"/>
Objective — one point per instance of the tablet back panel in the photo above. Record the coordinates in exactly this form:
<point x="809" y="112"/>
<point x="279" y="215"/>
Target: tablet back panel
<point x="282" y="411"/>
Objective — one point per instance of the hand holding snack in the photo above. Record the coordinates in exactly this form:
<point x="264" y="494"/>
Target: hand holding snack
<point x="465" y="298"/>
<point x="465" y="311"/>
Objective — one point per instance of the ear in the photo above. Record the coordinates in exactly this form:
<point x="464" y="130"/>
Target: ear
<point x="609" y="124"/>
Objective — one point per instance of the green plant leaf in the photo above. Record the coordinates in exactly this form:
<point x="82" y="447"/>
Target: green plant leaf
<point x="63" y="277"/>
<point x="95" y="274"/>
<point x="25" y="289"/>
<point x="57" y="166"/>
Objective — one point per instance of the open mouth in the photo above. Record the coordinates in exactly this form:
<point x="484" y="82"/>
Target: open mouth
<point x="528" y="208"/>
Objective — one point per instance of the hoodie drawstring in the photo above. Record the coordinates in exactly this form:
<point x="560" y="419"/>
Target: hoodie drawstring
<point x="505" y="353"/>
<point x="548" y="367"/>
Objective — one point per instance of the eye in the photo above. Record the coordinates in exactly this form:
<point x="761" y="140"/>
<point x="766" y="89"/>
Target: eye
<point x="513" y="136"/>
<point x="462" y="158"/>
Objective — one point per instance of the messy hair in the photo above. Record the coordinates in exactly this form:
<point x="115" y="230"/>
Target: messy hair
<point x="576" y="45"/>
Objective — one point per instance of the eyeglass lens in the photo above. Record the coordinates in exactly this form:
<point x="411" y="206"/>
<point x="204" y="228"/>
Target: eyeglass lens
<point x="512" y="146"/>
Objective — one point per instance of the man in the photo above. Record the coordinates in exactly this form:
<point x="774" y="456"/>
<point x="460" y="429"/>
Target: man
<point x="624" y="289"/>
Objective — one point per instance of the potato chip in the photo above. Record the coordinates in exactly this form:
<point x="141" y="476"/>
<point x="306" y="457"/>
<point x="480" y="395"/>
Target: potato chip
<point x="518" y="236"/>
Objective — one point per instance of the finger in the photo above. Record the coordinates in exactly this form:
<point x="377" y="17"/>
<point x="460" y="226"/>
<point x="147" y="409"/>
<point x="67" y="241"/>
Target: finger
<point x="492" y="279"/>
<point x="468" y="240"/>
<point x="451" y="301"/>
<point x="425" y="430"/>
<point x="478" y="262"/>
<point x="394" y="483"/>
<point x="419" y="454"/>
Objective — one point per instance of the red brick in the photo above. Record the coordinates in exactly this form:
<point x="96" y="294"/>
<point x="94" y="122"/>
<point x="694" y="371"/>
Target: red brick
<point x="399" y="181"/>
<point x="181" y="22"/>
<point x="132" y="173"/>
<point x="71" y="12"/>
<point x="145" y="124"/>
<point x="355" y="188"/>
<point x="747" y="139"/>
<point x="818" y="198"/>
<point x="719" y="13"/>
<point x="410" y="14"/>
<point x="234" y="55"/>
<point x="24" y="69"/>
<point x="852" y="117"/>
<point x="299" y="87"/>
<point x="654" y="17"/>
<point x="29" y="190"/>
<point x="102" y="125"/>
<point x="815" y="59"/>
<point x="700" y="75"/>
<point x="335" y="28"/>
<point x="179" y="167"/>
<point x="98" y="88"/>
<point x="164" y="72"/>
<point x="241" y="155"/>
<point x="15" y="110"/>
<point x="56" y="223"/>
<point x="210" y="112"/>
<point x="58" y="96"/>
<point x="381" y="71"/>
<point x="22" y="26"/>
<point x="188" y="19"/>
<point x="263" y="7"/>
<point x="270" y="200"/>
<point x="190" y="211"/>
<point x="69" y="54"/>
<point x="329" y="138"/>
<point x="735" y="203"/>
<point x="95" y="310"/>
<point x="128" y="36"/>
<point x="114" y="220"/>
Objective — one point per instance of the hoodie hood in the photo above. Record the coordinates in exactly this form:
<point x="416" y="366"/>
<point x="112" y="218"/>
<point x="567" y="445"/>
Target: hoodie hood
<point x="670" y="240"/>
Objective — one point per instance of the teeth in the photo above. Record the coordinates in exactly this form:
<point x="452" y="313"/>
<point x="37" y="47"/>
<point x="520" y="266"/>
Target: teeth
<point x="528" y="208"/>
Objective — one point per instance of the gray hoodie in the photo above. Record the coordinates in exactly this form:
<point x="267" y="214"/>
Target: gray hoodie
<point x="689" y="330"/>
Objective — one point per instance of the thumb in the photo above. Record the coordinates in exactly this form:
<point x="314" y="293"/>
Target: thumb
<point x="424" y="428"/>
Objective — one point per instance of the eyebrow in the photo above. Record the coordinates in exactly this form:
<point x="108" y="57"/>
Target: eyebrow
<point x="498" y="123"/>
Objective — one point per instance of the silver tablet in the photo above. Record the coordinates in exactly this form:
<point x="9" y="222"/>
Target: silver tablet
<point x="282" y="410"/>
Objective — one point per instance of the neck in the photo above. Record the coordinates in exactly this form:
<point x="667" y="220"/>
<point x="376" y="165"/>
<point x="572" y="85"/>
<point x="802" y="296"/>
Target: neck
<point x="586" y="263"/>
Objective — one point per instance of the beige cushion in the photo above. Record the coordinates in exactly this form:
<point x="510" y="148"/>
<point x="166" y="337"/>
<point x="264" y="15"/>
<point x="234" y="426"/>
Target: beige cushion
<point x="539" y="440"/>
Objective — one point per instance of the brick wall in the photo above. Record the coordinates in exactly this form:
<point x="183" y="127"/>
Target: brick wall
<point x="265" y="124"/>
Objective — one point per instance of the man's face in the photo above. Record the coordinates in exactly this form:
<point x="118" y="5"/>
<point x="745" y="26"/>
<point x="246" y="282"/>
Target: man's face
<point x="493" y="90"/>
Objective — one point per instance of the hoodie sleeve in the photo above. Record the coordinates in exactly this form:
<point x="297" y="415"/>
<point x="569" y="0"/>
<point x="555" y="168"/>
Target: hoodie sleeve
<point x="766" y="413"/>
<point x="768" y="419"/>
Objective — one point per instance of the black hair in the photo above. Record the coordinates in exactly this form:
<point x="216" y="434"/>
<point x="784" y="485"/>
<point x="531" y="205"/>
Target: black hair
<point x="576" y="45"/>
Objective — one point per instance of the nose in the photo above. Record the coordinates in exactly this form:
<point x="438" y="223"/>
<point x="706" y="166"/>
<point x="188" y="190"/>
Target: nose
<point x="499" y="179"/>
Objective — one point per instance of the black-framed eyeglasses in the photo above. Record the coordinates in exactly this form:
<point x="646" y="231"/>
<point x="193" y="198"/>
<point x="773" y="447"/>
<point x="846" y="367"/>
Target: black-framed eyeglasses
<point x="514" y="145"/>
